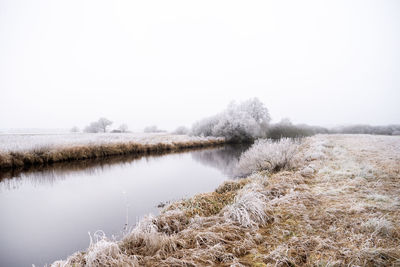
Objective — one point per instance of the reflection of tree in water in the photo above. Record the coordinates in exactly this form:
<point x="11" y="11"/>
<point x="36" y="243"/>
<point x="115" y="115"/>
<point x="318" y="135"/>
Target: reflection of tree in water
<point x="225" y="158"/>
<point x="50" y="174"/>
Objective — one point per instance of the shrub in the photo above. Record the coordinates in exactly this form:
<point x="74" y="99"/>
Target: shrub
<point x="285" y="128"/>
<point x="181" y="130"/>
<point x="269" y="155"/>
<point x="153" y="129"/>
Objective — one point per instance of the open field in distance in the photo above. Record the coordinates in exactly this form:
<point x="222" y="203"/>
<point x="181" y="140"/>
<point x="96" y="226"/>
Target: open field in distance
<point x="26" y="142"/>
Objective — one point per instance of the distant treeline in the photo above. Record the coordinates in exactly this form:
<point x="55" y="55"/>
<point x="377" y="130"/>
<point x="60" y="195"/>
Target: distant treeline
<point x="279" y="130"/>
<point x="393" y="129"/>
<point x="286" y="129"/>
<point x="249" y="120"/>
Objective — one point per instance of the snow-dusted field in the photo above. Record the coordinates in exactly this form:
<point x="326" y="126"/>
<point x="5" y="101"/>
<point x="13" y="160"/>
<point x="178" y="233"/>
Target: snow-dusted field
<point x="26" y="142"/>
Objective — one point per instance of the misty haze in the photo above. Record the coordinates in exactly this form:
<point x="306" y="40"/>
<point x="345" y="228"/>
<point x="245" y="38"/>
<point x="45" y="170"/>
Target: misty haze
<point x="211" y="133"/>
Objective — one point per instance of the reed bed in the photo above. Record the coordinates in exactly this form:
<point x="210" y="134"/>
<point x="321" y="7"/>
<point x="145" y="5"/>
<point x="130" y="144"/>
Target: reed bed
<point x="66" y="152"/>
<point x="62" y="169"/>
<point x="339" y="214"/>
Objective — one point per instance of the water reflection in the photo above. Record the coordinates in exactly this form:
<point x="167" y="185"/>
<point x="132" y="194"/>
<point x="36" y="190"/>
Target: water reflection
<point x="224" y="159"/>
<point x="61" y="168"/>
<point x="46" y="215"/>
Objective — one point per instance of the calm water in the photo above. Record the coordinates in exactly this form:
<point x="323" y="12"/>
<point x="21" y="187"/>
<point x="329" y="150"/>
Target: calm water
<point x="47" y="215"/>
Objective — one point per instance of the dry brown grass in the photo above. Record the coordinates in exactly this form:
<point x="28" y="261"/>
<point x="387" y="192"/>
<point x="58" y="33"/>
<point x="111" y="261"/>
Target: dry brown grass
<point x="212" y="203"/>
<point x="50" y="155"/>
<point x="345" y="212"/>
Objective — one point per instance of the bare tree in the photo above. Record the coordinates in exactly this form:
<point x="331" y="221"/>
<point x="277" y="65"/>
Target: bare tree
<point x="98" y="126"/>
<point x="103" y="123"/>
<point x="123" y="128"/>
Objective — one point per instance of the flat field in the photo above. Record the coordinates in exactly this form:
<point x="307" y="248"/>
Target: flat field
<point x="26" y="142"/>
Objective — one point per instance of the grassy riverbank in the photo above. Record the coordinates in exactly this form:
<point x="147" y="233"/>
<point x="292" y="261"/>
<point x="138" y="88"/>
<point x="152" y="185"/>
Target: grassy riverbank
<point x="23" y="151"/>
<point x="336" y="204"/>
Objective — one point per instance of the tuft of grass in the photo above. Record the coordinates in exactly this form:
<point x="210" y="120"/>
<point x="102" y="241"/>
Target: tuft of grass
<point x="208" y="204"/>
<point x="108" y="253"/>
<point x="378" y="226"/>
<point x="249" y="209"/>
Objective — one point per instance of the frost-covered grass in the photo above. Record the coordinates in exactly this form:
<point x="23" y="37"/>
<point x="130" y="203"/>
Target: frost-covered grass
<point x="248" y="209"/>
<point x="332" y="217"/>
<point x="27" y="142"/>
<point x="378" y="226"/>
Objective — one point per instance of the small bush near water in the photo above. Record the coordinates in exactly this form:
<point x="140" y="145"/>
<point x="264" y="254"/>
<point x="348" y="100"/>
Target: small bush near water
<point x="269" y="155"/>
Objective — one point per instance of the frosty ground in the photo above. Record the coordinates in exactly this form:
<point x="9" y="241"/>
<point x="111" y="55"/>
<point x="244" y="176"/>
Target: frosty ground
<point x="335" y="204"/>
<point x="27" y="142"/>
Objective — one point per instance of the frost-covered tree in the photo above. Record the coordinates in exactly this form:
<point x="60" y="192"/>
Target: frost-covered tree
<point x="205" y="126"/>
<point x="98" y="126"/>
<point x="123" y="128"/>
<point x="103" y="124"/>
<point x="243" y="121"/>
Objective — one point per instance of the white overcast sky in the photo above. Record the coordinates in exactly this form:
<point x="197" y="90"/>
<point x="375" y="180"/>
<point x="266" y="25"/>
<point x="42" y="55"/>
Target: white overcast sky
<point x="170" y="63"/>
